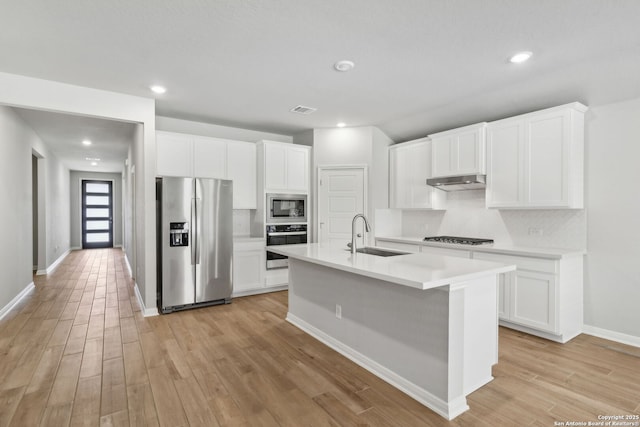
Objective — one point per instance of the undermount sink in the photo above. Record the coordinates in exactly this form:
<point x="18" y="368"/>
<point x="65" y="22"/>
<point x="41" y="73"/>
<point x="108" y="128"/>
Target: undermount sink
<point x="379" y="251"/>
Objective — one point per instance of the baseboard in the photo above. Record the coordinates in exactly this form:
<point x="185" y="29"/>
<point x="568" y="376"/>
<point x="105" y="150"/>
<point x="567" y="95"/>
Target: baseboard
<point x="146" y="312"/>
<point x="23" y="293"/>
<point x="447" y="410"/>
<point x="76" y="248"/>
<point x="55" y="264"/>
<point x="612" y="335"/>
<point x="562" y="339"/>
<point x="259" y="291"/>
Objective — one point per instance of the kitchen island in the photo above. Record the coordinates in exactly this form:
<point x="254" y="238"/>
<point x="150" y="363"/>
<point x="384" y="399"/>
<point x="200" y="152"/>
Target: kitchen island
<point x="426" y="324"/>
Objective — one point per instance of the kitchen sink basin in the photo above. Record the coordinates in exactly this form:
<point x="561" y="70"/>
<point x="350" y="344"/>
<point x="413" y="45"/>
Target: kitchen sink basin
<point x="379" y="251"/>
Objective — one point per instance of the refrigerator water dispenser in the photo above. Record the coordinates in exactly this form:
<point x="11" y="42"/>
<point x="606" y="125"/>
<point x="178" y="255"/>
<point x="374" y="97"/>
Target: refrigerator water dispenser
<point x="178" y="234"/>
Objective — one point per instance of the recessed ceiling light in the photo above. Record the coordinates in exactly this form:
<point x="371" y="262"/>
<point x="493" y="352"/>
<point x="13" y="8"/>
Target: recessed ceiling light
<point x="94" y="163"/>
<point x="520" y="57"/>
<point x="86" y="142"/>
<point x="93" y="159"/>
<point x="158" y="89"/>
<point x="344" y="66"/>
<point x="341" y="124"/>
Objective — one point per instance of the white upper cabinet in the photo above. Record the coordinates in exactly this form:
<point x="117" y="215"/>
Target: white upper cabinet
<point x="409" y="168"/>
<point x="298" y="168"/>
<point x="458" y="151"/>
<point x="537" y="160"/>
<point x="174" y="154"/>
<point x="286" y="167"/>
<point x="204" y="157"/>
<point x="241" y="169"/>
<point x="209" y="157"/>
<point x="275" y="158"/>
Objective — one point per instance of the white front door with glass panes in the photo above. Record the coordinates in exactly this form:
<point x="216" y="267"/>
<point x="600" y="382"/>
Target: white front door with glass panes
<point x="97" y="214"/>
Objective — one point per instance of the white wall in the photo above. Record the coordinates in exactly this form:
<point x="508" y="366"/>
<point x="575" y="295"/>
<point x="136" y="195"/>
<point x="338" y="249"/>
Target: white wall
<point x="17" y="144"/>
<point x="365" y="146"/>
<point x="53" y="203"/>
<point x="467" y="216"/>
<point x="76" y="178"/>
<point x="128" y="204"/>
<point x="15" y="192"/>
<point x="28" y="92"/>
<point x="170" y="124"/>
<point x="612" y="279"/>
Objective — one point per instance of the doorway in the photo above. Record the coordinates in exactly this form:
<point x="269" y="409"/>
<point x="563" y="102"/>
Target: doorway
<point x="341" y="195"/>
<point x="97" y="214"/>
<point x="34" y="210"/>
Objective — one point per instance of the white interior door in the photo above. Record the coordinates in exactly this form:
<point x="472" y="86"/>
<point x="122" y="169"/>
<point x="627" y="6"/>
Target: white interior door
<point x="341" y="195"/>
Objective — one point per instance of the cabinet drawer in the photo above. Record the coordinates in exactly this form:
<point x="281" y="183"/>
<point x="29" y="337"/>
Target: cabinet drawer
<point x="523" y="263"/>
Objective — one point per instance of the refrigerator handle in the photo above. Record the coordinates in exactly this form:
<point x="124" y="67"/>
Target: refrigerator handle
<point x="197" y="208"/>
<point x="194" y="232"/>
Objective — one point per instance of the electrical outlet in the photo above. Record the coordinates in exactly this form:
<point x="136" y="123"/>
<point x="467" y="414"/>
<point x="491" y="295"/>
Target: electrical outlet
<point x="533" y="231"/>
<point x="338" y="311"/>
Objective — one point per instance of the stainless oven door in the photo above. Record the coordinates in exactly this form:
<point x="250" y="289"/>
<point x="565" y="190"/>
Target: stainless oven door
<point x="282" y="238"/>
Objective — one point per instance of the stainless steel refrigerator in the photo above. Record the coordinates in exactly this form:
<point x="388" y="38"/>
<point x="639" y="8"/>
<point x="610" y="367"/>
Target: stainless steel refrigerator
<point x="195" y="242"/>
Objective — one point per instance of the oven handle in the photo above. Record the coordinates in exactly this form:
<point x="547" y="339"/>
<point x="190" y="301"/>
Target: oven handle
<point x="287" y="233"/>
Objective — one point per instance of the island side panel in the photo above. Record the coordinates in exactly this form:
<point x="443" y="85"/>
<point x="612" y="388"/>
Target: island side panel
<point x="403" y="331"/>
<point x="480" y="332"/>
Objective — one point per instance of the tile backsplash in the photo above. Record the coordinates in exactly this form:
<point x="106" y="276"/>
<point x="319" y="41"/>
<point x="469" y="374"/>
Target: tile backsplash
<point x="241" y="222"/>
<point x="467" y="216"/>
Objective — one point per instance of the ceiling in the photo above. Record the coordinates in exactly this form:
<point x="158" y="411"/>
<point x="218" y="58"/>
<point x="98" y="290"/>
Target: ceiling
<point x="64" y="134"/>
<point x="421" y="66"/>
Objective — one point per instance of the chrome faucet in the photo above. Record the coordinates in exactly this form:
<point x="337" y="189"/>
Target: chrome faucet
<point x="353" y="230"/>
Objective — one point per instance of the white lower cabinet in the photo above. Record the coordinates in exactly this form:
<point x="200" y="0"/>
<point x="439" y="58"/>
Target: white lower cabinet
<point x="248" y="267"/>
<point x="250" y="275"/>
<point x="532" y="300"/>
<point x="542" y="297"/>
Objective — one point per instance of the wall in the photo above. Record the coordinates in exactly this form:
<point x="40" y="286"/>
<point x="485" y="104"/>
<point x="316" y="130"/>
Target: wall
<point x="17" y="145"/>
<point x="169" y="124"/>
<point x="128" y="202"/>
<point x="612" y="288"/>
<point x="57" y="208"/>
<point x="75" y="203"/>
<point x="15" y="168"/>
<point x="365" y="146"/>
<point x="48" y="95"/>
<point x="466" y="215"/>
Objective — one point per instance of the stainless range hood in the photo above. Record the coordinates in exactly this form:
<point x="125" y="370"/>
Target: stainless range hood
<point x="458" y="183"/>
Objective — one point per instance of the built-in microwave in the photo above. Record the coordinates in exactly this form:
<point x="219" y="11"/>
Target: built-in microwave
<point x="286" y="208"/>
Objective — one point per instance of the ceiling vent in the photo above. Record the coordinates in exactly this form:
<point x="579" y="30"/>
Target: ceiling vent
<point x="301" y="109"/>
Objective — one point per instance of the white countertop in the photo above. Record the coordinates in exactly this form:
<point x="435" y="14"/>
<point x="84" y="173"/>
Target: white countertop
<point x="547" y="253"/>
<point x="416" y="270"/>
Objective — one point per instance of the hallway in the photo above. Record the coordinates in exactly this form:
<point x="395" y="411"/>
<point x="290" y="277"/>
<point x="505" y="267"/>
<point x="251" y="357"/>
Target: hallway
<point x="62" y="349"/>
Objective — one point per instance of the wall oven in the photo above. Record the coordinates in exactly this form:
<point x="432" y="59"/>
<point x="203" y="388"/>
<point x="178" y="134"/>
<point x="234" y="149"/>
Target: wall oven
<point x="286" y="208"/>
<point x="283" y="234"/>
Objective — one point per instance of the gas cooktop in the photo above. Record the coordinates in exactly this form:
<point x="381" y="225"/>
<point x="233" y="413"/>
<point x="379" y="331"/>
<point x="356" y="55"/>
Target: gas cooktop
<point x="458" y="240"/>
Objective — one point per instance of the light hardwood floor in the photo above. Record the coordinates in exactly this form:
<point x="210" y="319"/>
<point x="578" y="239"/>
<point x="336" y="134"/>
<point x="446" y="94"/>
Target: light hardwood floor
<point x="77" y="351"/>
